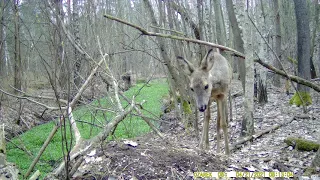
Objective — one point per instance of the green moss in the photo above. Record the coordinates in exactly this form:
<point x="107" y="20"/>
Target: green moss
<point x="302" y="144"/>
<point x="297" y="101"/>
<point x="310" y="171"/>
<point x="293" y="61"/>
<point x="186" y="107"/>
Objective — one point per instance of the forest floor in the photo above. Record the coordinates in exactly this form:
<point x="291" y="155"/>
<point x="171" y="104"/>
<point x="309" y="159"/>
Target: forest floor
<point x="177" y="156"/>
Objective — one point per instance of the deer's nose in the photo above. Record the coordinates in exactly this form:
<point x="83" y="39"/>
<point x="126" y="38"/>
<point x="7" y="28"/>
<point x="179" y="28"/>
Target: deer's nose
<point x="202" y="108"/>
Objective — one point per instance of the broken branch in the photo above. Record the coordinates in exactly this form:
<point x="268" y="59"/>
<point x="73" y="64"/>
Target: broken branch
<point x="291" y="77"/>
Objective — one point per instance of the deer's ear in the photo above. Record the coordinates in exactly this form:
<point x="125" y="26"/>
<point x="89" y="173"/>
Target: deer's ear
<point x="186" y="65"/>
<point x="208" y="60"/>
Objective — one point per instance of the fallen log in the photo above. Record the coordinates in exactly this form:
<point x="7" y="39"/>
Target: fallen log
<point x="302" y="144"/>
<point x="257" y="135"/>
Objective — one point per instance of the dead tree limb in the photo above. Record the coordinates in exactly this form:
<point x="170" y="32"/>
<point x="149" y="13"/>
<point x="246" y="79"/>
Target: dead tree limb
<point x="291" y="77"/>
<point x="44" y="146"/>
<point x="147" y="33"/>
<point x="257" y="135"/>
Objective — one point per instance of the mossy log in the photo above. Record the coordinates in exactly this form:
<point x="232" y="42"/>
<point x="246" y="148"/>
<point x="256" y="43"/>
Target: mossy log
<point x="302" y="144"/>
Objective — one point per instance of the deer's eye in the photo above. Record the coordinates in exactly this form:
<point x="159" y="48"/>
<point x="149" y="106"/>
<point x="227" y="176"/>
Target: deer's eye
<point x="192" y="89"/>
<point x="207" y="86"/>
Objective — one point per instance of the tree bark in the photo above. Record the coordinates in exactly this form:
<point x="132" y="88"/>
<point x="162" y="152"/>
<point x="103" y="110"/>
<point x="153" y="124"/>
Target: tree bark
<point x="221" y="37"/>
<point x="303" y="42"/>
<point x="77" y="55"/>
<point x="314" y="68"/>
<point x="262" y="46"/>
<point x="247" y="122"/>
<point x="2" y="39"/>
<point x="61" y="66"/>
<point x="17" y="53"/>
<point x="237" y="40"/>
<point x="276" y="78"/>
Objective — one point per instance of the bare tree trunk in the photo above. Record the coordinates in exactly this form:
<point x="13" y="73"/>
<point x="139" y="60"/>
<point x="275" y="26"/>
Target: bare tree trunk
<point x="315" y="70"/>
<point x="200" y="26"/>
<point x="77" y="56"/>
<point x="17" y="53"/>
<point x="61" y="66"/>
<point x="262" y="79"/>
<point x="238" y="41"/>
<point x="303" y="42"/>
<point x="221" y="37"/>
<point x="2" y="39"/>
<point x="247" y="122"/>
<point x="276" y="78"/>
<point x="318" y="60"/>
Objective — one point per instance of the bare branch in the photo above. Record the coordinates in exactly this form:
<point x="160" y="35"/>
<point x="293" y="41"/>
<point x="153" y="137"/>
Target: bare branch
<point x="291" y="77"/>
<point x="145" y="32"/>
<point x="31" y="100"/>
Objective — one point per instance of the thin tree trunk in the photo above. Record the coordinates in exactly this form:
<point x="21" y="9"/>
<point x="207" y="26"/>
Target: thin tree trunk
<point x="77" y="56"/>
<point x="61" y="66"/>
<point x="2" y="40"/>
<point x="221" y="37"/>
<point x="262" y="80"/>
<point x="314" y="68"/>
<point x="238" y="41"/>
<point x="247" y="122"/>
<point x="17" y="53"/>
<point x="276" y="78"/>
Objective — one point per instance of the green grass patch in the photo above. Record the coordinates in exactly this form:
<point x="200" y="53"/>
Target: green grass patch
<point x="91" y="118"/>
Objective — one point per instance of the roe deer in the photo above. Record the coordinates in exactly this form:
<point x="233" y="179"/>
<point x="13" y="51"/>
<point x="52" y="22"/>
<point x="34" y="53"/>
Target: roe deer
<point x="210" y="82"/>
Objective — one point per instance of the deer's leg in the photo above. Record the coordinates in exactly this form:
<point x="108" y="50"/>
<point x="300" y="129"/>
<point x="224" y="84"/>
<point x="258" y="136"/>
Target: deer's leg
<point x="218" y="125"/>
<point x="223" y="107"/>
<point x="204" y="143"/>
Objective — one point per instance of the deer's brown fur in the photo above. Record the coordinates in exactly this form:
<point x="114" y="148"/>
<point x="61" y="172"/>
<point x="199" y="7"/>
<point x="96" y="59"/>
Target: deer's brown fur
<point x="210" y="82"/>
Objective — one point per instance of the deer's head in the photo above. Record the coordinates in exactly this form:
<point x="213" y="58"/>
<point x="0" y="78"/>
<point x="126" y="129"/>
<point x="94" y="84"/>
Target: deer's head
<point x="199" y="77"/>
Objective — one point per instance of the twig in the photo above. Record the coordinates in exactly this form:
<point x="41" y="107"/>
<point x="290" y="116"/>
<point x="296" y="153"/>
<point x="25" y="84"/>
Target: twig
<point x="31" y="100"/>
<point x="92" y="124"/>
<point x="145" y="118"/>
<point x="114" y="81"/>
<point x="24" y="149"/>
<point x="24" y="94"/>
<point x="145" y="32"/>
<point x="170" y="30"/>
